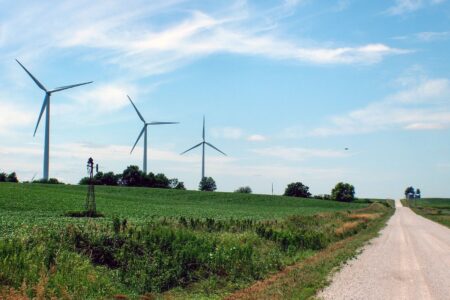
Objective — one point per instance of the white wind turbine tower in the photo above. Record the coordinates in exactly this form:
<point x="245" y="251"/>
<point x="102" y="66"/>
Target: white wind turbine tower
<point x="46" y="107"/>
<point x="144" y="130"/>
<point x="203" y="143"/>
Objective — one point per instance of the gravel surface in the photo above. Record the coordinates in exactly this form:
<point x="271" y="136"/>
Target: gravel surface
<point x="409" y="260"/>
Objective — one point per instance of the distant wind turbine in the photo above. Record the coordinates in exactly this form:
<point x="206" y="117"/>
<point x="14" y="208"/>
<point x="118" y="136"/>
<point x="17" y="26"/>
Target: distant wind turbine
<point x="203" y="143"/>
<point x="144" y="130"/>
<point x="46" y="107"/>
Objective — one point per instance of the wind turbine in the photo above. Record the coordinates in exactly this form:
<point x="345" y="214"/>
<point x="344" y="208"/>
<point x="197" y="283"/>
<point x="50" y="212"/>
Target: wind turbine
<point x="203" y="143"/>
<point x="144" y="130"/>
<point x="46" y="107"/>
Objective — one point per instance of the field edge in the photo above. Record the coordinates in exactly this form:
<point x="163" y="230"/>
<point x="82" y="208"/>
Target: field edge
<point x="307" y="278"/>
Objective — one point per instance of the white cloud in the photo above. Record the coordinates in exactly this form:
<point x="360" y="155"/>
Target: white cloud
<point x="429" y="36"/>
<point x="232" y="133"/>
<point x="13" y="116"/>
<point x="124" y="36"/>
<point x="407" y="6"/>
<point x="298" y="154"/>
<point x="256" y="138"/>
<point x="425" y="106"/>
<point x="106" y="97"/>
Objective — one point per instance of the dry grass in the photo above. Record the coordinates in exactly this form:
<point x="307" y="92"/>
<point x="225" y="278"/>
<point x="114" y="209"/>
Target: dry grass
<point x="365" y="217"/>
<point x="346" y="227"/>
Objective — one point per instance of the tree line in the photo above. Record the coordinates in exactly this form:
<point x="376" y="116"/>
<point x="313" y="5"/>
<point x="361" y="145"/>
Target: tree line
<point x="344" y="192"/>
<point x="133" y="176"/>
<point x="11" y="177"/>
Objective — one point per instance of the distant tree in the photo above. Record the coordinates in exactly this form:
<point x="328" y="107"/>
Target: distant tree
<point x="49" y="181"/>
<point x="418" y="194"/>
<point x="180" y="186"/>
<point x="244" y="190"/>
<point x="175" y="184"/>
<point x="83" y="181"/>
<point x="109" y="179"/>
<point x="161" y="181"/>
<point x="409" y="192"/>
<point x="297" y="189"/>
<point x="12" y="177"/>
<point x="3" y="177"/>
<point x="132" y="176"/>
<point x="344" y="192"/>
<point x="207" y="184"/>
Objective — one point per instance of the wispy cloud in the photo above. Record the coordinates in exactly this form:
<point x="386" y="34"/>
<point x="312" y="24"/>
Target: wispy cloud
<point x="227" y="132"/>
<point x="125" y="37"/>
<point x="298" y="154"/>
<point x="13" y="116"/>
<point x="256" y="138"/>
<point x="408" y="6"/>
<point x="425" y="36"/>
<point x="422" y="107"/>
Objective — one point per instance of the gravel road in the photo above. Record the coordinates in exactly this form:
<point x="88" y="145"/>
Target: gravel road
<point x="409" y="260"/>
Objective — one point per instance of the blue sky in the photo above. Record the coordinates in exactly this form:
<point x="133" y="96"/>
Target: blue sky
<point x="285" y="86"/>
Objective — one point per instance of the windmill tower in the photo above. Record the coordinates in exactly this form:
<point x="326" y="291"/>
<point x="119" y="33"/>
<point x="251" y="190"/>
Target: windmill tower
<point x="90" y="206"/>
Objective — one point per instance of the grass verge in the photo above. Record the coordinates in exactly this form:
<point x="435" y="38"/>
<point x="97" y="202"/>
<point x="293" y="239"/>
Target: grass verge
<point x="304" y="279"/>
<point x="435" y="209"/>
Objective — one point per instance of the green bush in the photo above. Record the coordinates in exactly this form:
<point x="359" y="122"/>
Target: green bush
<point x="344" y="192"/>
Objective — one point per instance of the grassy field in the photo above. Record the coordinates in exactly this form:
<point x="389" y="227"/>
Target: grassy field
<point x="436" y="209"/>
<point x="22" y="205"/>
<point x="164" y="243"/>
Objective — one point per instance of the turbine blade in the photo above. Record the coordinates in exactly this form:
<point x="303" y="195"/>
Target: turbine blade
<point x="139" y="137"/>
<point x="32" y="77"/>
<point x="139" y="114"/>
<point x="215" y="148"/>
<point x="191" y="148"/>
<point x="69" y="86"/>
<point x="44" y="105"/>
<point x="203" y="128"/>
<point x="161" y="123"/>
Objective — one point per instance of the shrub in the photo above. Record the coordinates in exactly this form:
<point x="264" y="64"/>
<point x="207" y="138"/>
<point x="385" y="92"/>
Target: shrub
<point x="3" y="177"/>
<point x="49" y="181"/>
<point x="297" y="189"/>
<point x="244" y="190"/>
<point x="344" y="192"/>
<point x="207" y="184"/>
<point x="12" y="177"/>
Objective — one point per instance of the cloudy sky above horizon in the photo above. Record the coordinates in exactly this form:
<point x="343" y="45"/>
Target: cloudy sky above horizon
<point x="286" y="87"/>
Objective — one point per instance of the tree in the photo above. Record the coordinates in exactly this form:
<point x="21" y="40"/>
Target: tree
<point x="418" y="194"/>
<point x="132" y="176"/>
<point x="344" y="192"/>
<point x="409" y="192"/>
<point x="12" y="177"/>
<point x="180" y="186"/>
<point x="109" y="179"/>
<point x="207" y="184"/>
<point x="175" y="184"/>
<point x="161" y="181"/>
<point x="297" y="189"/>
<point x="3" y="177"/>
<point x="244" y="190"/>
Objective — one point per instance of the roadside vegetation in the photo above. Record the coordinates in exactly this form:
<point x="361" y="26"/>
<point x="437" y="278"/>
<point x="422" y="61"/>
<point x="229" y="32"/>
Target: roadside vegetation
<point x="156" y="242"/>
<point x="436" y="209"/>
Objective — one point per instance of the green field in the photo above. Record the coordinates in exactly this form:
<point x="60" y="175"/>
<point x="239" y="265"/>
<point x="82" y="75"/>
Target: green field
<point x="165" y="243"/>
<point x="31" y="204"/>
<point x="436" y="209"/>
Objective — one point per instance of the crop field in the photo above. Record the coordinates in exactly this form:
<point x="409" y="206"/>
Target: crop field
<point x="155" y="243"/>
<point x="436" y="209"/>
<point x="31" y="204"/>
